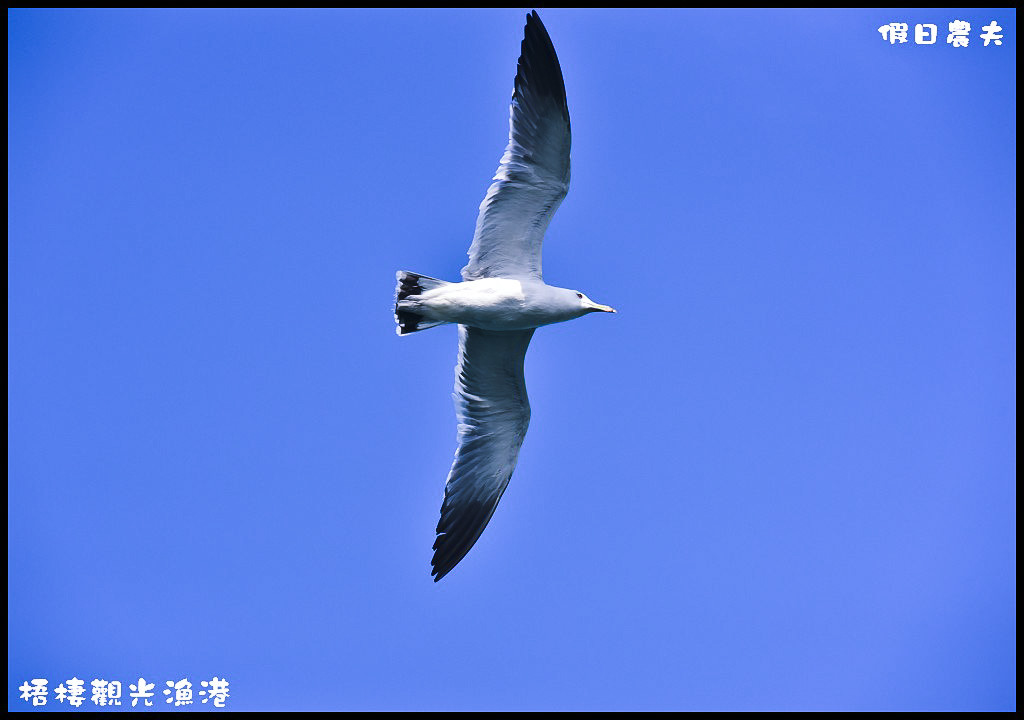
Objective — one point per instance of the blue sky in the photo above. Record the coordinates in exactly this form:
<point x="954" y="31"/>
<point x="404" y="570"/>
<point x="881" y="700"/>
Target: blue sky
<point x="782" y="477"/>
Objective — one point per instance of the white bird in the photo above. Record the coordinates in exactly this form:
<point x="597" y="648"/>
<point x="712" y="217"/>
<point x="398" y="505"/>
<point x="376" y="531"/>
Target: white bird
<point x="501" y="300"/>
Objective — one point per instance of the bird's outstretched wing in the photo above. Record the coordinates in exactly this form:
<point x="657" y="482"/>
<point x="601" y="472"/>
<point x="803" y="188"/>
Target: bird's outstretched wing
<point x="493" y="413"/>
<point x="533" y="176"/>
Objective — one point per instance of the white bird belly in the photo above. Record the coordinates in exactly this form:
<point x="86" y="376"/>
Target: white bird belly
<point x="491" y="304"/>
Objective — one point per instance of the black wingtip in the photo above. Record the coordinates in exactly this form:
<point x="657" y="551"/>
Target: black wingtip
<point x="437" y="570"/>
<point x="538" y="70"/>
<point x="443" y="561"/>
<point x="532" y="18"/>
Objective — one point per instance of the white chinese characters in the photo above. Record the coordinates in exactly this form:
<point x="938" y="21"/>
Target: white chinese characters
<point x="926" y="34"/>
<point x="959" y="35"/>
<point x="894" y="32"/>
<point x="74" y="692"/>
<point x="36" y="691"/>
<point x="107" y="694"/>
<point x="182" y="692"/>
<point x="990" y="34"/>
<point x="218" y="691"/>
<point x="141" y="691"/>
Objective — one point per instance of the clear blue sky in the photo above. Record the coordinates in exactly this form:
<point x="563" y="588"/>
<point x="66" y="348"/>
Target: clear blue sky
<point x="782" y="477"/>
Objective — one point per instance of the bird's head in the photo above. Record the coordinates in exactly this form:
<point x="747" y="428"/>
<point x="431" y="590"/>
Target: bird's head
<point x="587" y="305"/>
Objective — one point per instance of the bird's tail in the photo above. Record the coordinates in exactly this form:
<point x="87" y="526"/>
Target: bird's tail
<point x="411" y="284"/>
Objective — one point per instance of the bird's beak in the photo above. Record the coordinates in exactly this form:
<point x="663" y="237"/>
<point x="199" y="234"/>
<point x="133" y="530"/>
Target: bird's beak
<point x="601" y="308"/>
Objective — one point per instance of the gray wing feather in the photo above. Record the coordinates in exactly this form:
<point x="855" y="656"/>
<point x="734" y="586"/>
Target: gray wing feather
<point x="533" y="176"/>
<point x="494" y="413"/>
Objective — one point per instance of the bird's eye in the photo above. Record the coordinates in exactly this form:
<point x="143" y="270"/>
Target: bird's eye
<point x="579" y="295"/>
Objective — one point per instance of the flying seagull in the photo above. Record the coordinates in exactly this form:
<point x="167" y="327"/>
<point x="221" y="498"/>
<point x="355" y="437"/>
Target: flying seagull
<point x="501" y="300"/>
